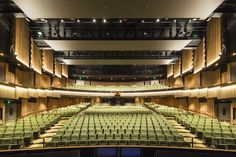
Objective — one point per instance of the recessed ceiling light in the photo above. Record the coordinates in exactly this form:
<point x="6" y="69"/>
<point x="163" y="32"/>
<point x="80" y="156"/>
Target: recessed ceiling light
<point x="62" y="21"/>
<point x="142" y="21"/>
<point x="120" y="21"/>
<point x="40" y="33"/>
<point x="175" y="21"/>
<point x="78" y="21"/>
<point x="157" y="20"/>
<point x="94" y="20"/>
<point x="104" y="21"/>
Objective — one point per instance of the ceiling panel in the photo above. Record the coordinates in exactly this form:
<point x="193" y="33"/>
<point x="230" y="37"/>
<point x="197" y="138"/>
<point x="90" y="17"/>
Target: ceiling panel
<point x="117" y="61"/>
<point x="117" y="45"/>
<point x="118" y="8"/>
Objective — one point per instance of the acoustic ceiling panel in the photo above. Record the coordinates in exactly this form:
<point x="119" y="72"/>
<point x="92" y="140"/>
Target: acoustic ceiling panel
<point x="118" y="8"/>
<point x="117" y="45"/>
<point x="117" y="61"/>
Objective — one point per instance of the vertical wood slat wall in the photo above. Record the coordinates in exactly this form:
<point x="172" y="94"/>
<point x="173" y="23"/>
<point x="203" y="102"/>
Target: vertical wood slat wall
<point x="199" y="57"/>
<point x="64" y="70"/>
<point x="187" y="61"/>
<point x="57" y="69"/>
<point x="213" y="40"/>
<point x="48" y="61"/>
<point x="177" y="68"/>
<point x="170" y="70"/>
<point x="22" y="41"/>
<point x="36" y="58"/>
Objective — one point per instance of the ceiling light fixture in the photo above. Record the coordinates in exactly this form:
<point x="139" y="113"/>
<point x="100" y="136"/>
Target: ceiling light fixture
<point x="104" y="21"/>
<point x="175" y="20"/>
<point x="120" y="21"/>
<point x="62" y="21"/>
<point x="142" y="21"/>
<point x="78" y="21"/>
<point x="157" y="20"/>
<point x="94" y="20"/>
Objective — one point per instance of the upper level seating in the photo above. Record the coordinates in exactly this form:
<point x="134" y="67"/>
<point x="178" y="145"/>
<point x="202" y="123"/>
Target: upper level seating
<point x="21" y="132"/>
<point x="211" y="130"/>
<point x="117" y="88"/>
<point x="106" y="127"/>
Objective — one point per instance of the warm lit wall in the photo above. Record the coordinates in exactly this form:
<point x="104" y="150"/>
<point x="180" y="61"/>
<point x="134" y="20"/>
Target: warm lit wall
<point x="187" y="61"/>
<point x="22" y="41"/>
<point x="210" y="78"/>
<point x="36" y="58"/>
<point x="192" y="80"/>
<point x="199" y="57"/>
<point x="42" y="81"/>
<point x="213" y="40"/>
<point x="170" y="70"/>
<point x="48" y="61"/>
<point x="177" y="68"/>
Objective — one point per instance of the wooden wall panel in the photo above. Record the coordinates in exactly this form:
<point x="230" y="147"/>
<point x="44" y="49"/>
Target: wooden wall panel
<point x="42" y="81"/>
<point x="213" y="40"/>
<point x="57" y="82"/>
<point x="22" y="40"/>
<point x="57" y="69"/>
<point x="48" y="61"/>
<point x="210" y="78"/>
<point x="24" y="78"/>
<point x="176" y="82"/>
<point x="192" y="80"/>
<point x="170" y="70"/>
<point x="199" y="57"/>
<point x="70" y="82"/>
<point x="10" y="77"/>
<point x="36" y="58"/>
<point x="177" y="69"/>
<point x="225" y="75"/>
<point x="64" y="70"/>
<point x="187" y="61"/>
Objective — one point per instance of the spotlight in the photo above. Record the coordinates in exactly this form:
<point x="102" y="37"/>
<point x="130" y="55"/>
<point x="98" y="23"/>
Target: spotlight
<point x="62" y="21"/>
<point x="94" y="20"/>
<point x="120" y="21"/>
<point x="104" y="21"/>
<point x="157" y="20"/>
<point x="78" y="21"/>
<point x="40" y="33"/>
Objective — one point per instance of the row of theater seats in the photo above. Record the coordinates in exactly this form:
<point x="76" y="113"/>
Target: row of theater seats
<point x="212" y="131"/>
<point x="117" y="128"/>
<point x="117" y="88"/>
<point x="20" y="133"/>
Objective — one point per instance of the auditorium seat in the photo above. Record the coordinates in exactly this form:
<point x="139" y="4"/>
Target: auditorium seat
<point x="116" y="126"/>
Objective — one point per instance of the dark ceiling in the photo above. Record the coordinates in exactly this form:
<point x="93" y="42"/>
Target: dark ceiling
<point x="117" y="29"/>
